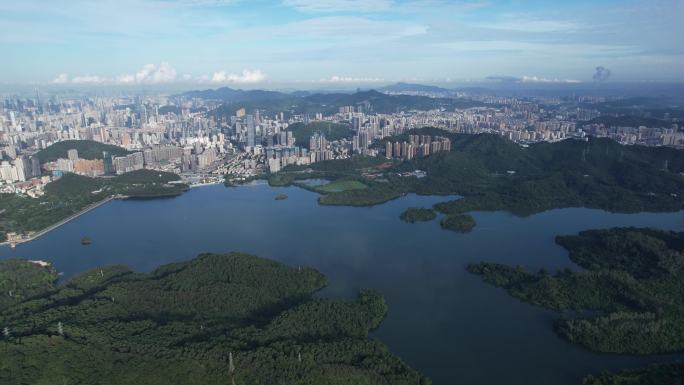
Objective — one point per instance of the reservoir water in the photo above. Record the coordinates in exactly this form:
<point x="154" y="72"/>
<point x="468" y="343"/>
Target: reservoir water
<point x="442" y="320"/>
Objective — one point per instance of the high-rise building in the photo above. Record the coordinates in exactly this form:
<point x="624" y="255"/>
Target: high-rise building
<point x="72" y="154"/>
<point x="388" y="150"/>
<point x="364" y="139"/>
<point x="108" y="163"/>
<point x="251" y="131"/>
<point x="6" y="171"/>
<point x="35" y="167"/>
<point x="23" y="168"/>
<point x="128" y="163"/>
<point x="356" y="123"/>
<point x="355" y="143"/>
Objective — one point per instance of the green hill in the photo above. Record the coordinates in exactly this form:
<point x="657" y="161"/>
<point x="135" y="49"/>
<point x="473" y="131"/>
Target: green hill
<point x="492" y="173"/>
<point x="626" y="300"/>
<point x="87" y="149"/>
<point x="217" y="319"/>
<point x="332" y="131"/>
<point x="72" y="193"/>
<point x="386" y="104"/>
<point x="632" y="278"/>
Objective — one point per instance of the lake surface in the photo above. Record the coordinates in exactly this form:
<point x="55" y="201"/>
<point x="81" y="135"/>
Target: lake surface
<point x="442" y="320"/>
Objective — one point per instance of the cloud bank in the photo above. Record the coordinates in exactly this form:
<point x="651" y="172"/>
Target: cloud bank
<point x="161" y="74"/>
<point x="529" y="79"/>
<point x="247" y="76"/>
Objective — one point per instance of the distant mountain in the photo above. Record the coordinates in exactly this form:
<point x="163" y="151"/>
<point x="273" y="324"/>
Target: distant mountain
<point x="230" y="95"/>
<point x="301" y="103"/>
<point x="409" y="87"/>
<point x="375" y="101"/>
<point x="629" y="121"/>
<point x="301" y="94"/>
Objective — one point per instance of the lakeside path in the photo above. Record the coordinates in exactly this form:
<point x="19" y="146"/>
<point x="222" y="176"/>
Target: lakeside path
<point x="64" y="221"/>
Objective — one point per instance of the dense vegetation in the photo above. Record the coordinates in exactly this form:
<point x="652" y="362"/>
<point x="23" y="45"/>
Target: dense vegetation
<point x="332" y="131"/>
<point x="20" y="280"/>
<point x="87" y="149"/>
<point x="634" y="279"/>
<point x="460" y="223"/>
<point x="72" y="193"/>
<point x="340" y="185"/>
<point x="493" y="173"/>
<point x="414" y="214"/>
<point x="218" y="319"/>
<point x="654" y="375"/>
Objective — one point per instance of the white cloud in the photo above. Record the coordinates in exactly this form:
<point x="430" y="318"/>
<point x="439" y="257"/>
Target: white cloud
<point x="339" y="5"/>
<point x="247" y="76"/>
<point x="536" y="79"/>
<point x="125" y="79"/>
<point x="154" y="74"/>
<point x="61" y="79"/>
<point x="529" y="79"/>
<point x="149" y="74"/>
<point x="88" y="79"/>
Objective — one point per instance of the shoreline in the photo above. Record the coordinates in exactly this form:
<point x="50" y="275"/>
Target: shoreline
<point x="62" y="222"/>
<point x="203" y="184"/>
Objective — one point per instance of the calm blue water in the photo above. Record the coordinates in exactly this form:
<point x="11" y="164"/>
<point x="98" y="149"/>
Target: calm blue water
<point x="442" y="320"/>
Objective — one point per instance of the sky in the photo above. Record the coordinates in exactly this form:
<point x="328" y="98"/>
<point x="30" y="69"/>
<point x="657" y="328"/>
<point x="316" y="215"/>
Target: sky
<point x="255" y="43"/>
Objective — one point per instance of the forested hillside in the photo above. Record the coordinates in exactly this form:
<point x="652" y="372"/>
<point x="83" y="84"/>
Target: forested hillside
<point x="217" y="319"/>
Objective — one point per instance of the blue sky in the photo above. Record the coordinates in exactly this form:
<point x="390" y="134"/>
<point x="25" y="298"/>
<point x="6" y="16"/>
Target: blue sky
<point x="254" y="42"/>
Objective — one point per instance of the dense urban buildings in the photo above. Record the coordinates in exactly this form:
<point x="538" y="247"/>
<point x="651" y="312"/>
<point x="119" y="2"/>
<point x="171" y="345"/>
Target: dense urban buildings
<point x="200" y="140"/>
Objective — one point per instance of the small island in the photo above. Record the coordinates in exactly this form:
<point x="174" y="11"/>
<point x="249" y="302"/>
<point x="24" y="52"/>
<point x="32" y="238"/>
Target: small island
<point x="632" y="278"/>
<point x="85" y="241"/>
<point x="460" y="223"/>
<point x="281" y="197"/>
<point x="413" y="215"/>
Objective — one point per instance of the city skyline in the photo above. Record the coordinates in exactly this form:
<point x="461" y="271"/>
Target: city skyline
<point x="259" y="44"/>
